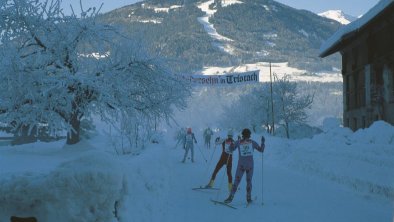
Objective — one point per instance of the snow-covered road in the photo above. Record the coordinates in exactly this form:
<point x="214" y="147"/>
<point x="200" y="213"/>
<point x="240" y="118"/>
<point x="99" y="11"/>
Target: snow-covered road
<point x="336" y="176"/>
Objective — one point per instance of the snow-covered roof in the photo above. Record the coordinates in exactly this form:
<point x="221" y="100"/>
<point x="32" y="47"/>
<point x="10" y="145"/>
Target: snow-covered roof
<point x="328" y="47"/>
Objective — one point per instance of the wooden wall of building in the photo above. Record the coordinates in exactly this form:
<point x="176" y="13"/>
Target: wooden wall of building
<point x="368" y="75"/>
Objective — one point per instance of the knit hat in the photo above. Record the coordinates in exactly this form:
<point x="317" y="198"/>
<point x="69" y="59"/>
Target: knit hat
<point x="246" y="133"/>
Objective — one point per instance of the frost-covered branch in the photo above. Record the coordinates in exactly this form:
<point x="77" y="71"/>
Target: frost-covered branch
<point x="58" y="69"/>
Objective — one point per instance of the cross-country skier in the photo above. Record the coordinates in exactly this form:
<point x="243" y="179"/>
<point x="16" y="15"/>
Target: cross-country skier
<point x="188" y="144"/>
<point x="207" y="137"/>
<point x="245" y="146"/>
<point x="225" y="159"/>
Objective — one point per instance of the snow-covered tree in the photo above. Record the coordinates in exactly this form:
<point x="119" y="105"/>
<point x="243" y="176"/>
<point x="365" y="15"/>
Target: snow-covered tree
<point x="58" y="69"/>
<point x="292" y="106"/>
<point x="253" y="108"/>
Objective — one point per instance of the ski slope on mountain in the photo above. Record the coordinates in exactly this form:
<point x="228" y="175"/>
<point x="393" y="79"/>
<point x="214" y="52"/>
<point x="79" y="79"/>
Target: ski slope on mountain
<point x="335" y="176"/>
<point x="220" y="41"/>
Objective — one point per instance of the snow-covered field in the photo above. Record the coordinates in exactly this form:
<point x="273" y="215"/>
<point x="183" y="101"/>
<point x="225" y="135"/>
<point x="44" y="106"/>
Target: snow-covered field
<point x="335" y="176"/>
<point x="278" y="69"/>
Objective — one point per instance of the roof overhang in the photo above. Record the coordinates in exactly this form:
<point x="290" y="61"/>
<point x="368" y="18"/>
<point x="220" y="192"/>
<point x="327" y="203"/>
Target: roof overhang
<point x="347" y="33"/>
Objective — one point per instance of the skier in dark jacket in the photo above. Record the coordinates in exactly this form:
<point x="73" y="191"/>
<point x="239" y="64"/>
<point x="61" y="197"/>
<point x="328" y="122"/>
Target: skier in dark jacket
<point x="207" y="137"/>
<point x="225" y="159"/>
<point x="245" y="146"/>
<point x="188" y="144"/>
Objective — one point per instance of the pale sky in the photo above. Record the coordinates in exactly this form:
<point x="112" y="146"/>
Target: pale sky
<point x="351" y="7"/>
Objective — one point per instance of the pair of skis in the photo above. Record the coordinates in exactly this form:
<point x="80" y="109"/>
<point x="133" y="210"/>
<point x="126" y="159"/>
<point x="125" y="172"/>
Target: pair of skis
<point x="229" y="205"/>
<point x="205" y="188"/>
<point x="222" y="202"/>
<point x="214" y="201"/>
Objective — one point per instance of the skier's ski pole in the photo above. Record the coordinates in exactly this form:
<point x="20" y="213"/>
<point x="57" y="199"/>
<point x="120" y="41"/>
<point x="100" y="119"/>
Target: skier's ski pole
<point x="198" y="147"/>
<point x="212" y="155"/>
<point x="221" y="180"/>
<point x="262" y="169"/>
<point x="210" y="161"/>
<point x="262" y="181"/>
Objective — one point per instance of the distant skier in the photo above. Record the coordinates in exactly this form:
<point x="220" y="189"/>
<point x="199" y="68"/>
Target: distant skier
<point x="188" y="144"/>
<point x="245" y="146"/>
<point x="207" y="137"/>
<point x="225" y="159"/>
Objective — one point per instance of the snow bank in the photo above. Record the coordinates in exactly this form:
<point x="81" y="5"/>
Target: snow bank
<point x="379" y="132"/>
<point x="83" y="187"/>
<point x="362" y="161"/>
<point x="148" y="182"/>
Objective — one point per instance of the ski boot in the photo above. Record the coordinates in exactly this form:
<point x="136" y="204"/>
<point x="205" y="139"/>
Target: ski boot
<point x="229" y="199"/>
<point x="249" y="198"/>
<point x="210" y="184"/>
<point x="230" y="186"/>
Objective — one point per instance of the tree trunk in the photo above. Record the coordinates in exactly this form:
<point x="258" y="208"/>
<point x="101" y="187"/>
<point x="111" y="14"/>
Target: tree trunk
<point x="73" y="135"/>
<point x="287" y="130"/>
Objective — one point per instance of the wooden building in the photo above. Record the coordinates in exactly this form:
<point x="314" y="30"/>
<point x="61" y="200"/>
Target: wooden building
<point x="367" y="49"/>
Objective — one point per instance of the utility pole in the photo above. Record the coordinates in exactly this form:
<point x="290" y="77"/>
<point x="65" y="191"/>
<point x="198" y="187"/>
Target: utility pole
<point x="272" y="105"/>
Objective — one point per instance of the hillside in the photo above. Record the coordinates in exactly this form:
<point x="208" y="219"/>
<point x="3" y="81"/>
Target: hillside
<point x="255" y="30"/>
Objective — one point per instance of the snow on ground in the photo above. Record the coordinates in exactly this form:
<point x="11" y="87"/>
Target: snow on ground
<point x="335" y="176"/>
<point x="226" y="3"/>
<point x="155" y="21"/>
<point x="280" y="69"/>
<point x="167" y="9"/>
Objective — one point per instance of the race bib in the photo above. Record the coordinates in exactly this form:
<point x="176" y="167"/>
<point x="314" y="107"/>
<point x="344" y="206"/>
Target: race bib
<point x="189" y="138"/>
<point x="246" y="149"/>
<point x="227" y="147"/>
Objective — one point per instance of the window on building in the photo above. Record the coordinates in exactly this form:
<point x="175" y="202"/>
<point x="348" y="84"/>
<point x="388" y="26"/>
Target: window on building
<point x="391" y="87"/>
<point x="355" y="58"/>
<point x="344" y="62"/>
<point x="377" y="85"/>
<point x="359" y="89"/>
<point x="347" y="92"/>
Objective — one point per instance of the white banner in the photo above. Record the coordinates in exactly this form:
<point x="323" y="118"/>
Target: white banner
<point x="227" y="79"/>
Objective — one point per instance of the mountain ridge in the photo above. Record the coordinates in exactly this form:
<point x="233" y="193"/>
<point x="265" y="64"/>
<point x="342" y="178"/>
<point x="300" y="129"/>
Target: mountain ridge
<point x="339" y="16"/>
<point x="258" y="31"/>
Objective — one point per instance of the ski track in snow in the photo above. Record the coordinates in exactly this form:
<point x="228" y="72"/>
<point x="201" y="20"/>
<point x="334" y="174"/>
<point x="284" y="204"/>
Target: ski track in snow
<point x="287" y="195"/>
<point x="327" y="178"/>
